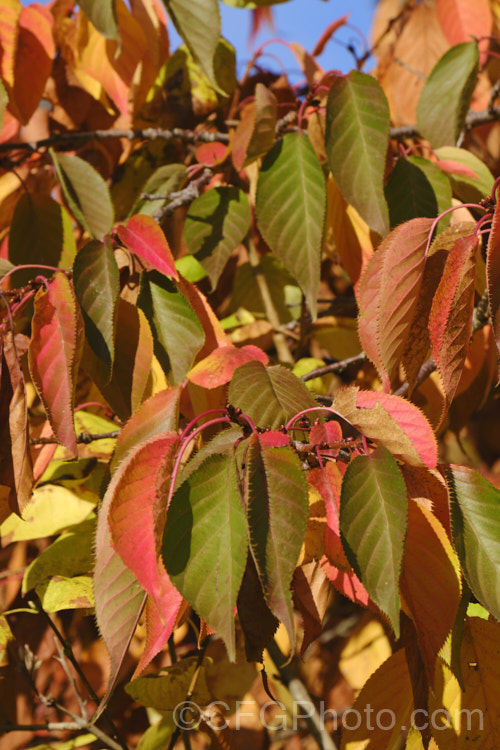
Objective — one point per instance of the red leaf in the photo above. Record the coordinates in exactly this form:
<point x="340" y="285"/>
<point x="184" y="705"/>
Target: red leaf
<point x="144" y="237"/>
<point x="390" y="295"/>
<point x="274" y="439"/>
<point x="348" y="584"/>
<point x="160" y="620"/>
<point x="211" y="153"/>
<point x="451" y="315"/>
<point x="328" y="33"/>
<point x="328" y="482"/>
<point x="461" y="20"/>
<point x="454" y="167"/>
<point x="328" y="432"/>
<point x="409" y="417"/>
<point x="493" y="274"/>
<point x="133" y="511"/>
<point x="218" y="368"/>
<point x="54" y="355"/>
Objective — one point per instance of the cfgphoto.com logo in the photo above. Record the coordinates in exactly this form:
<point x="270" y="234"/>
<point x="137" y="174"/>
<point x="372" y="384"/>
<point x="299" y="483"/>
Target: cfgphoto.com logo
<point x="187" y="715"/>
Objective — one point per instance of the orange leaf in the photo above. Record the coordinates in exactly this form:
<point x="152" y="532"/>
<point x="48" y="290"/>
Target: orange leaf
<point x="430" y="582"/>
<point x="54" y="355"/>
<point x="462" y="20"/>
<point x="328" y="33"/>
<point x="218" y="367"/>
<point x="450" y="318"/>
<point x="9" y="30"/>
<point x="328" y="482"/>
<point x="348" y="584"/>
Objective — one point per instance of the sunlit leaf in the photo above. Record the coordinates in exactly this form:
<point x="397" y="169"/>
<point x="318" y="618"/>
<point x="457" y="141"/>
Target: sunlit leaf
<point x="373" y="523"/>
<point x="96" y="280"/>
<point x="216" y="223"/>
<point x="9" y="32"/>
<point x="445" y="99"/>
<point x="269" y="395"/>
<point x="61" y="593"/>
<point x="277" y="517"/>
<point x="357" y="133"/>
<point x="475" y="525"/>
<point x="469" y="176"/>
<point x="256" y="131"/>
<point x="167" y="689"/>
<point x="218" y="368"/>
<point x="102" y="13"/>
<point x="461" y="20"/>
<point x="86" y="193"/>
<point x="205" y="543"/>
<point x="290" y="208"/>
<point x="144" y="237"/>
<point x="54" y="355"/>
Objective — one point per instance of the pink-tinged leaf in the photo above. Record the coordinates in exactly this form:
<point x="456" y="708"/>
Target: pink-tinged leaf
<point x="328" y="432"/>
<point x="145" y="238"/>
<point x="274" y="439"/>
<point x="157" y="414"/>
<point x="54" y="354"/>
<point x="159" y="622"/>
<point x="462" y="20"/>
<point x="218" y="368"/>
<point x="348" y="584"/>
<point x="493" y="274"/>
<point x="328" y="482"/>
<point x="454" y="167"/>
<point x="328" y="33"/>
<point x="18" y="419"/>
<point x="409" y="417"/>
<point x="450" y="318"/>
<point x="211" y="154"/>
<point x="133" y="513"/>
<point x="119" y="599"/>
<point x="391" y="292"/>
<point x="368" y="300"/>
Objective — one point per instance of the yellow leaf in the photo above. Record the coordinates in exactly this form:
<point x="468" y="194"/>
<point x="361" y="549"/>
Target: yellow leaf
<point x="51" y="509"/>
<point x="459" y="720"/>
<point x="366" y="650"/>
<point x="10" y="10"/>
<point x="66" y="593"/>
<point x="5" y="637"/>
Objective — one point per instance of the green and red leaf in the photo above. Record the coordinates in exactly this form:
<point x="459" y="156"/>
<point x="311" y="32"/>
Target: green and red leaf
<point x="145" y="238"/>
<point x="218" y="368"/>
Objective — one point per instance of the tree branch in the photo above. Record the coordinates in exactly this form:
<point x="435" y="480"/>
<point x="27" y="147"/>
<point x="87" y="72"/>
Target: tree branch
<point x="83" y="437"/>
<point x="146" y="134"/>
<point x="180" y="197"/>
<point x="473" y="120"/>
<point x="336" y="367"/>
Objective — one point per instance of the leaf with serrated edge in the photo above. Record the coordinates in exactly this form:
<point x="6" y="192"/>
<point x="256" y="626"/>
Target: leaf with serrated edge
<point x="357" y="136"/>
<point x="430" y="582"/>
<point x="218" y="368"/>
<point x="373" y="523"/>
<point x="132" y="510"/>
<point x="157" y="414"/>
<point x="216" y="223"/>
<point x="159" y="621"/>
<point x="475" y="526"/>
<point x="205" y="543"/>
<point x="493" y="274"/>
<point x="446" y="96"/>
<point x="96" y="280"/>
<point x="450" y="318"/>
<point x="86" y="192"/>
<point x="290" y="208"/>
<point x="54" y="354"/>
<point x="145" y="238"/>
<point x="198" y="23"/>
<point x="392" y="421"/>
<point x="278" y="509"/>
<point x="256" y="130"/>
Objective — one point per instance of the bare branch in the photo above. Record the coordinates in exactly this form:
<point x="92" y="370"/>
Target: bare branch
<point x="183" y="197"/>
<point x="83" y="437"/>
<point x="336" y="367"/>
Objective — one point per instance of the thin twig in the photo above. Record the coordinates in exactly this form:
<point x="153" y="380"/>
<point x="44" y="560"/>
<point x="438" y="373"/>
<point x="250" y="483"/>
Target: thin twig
<point x="83" y="437"/>
<point x="290" y="678"/>
<point x="185" y="196"/>
<point x="336" y="367"/>
<point x="61" y="658"/>
<point x="191" y="689"/>
<point x="50" y="726"/>
<point x="427" y="369"/>
<point x="147" y="134"/>
<point x="473" y="120"/>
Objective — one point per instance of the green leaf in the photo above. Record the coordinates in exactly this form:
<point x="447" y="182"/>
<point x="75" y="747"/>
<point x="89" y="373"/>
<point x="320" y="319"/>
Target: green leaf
<point x="205" y="543"/>
<point x="165" y="690"/>
<point x="475" y="525"/>
<point x="164" y="180"/>
<point x="472" y="183"/>
<point x="179" y="334"/>
<point x="446" y="96"/>
<point x="357" y="135"/>
<point x="102" y="13"/>
<point x="86" y="192"/>
<point x="157" y="736"/>
<point x="4" y="100"/>
<point x="41" y="232"/>
<point x="278" y="509"/>
<point x="216" y="223"/>
<point x="96" y="279"/>
<point x="416" y="187"/>
<point x="373" y="522"/>
<point x="5" y="267"/>
<point x="68" y="556"/>
<point x="198" y="23"/>
<point x="290" y="209"/>
<point x="66" y="593"/>
<point x="268" y="395"/>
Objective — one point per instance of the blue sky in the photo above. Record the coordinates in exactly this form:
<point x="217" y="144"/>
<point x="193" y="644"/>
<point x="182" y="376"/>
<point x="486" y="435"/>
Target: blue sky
<point x="300" y="21"/>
